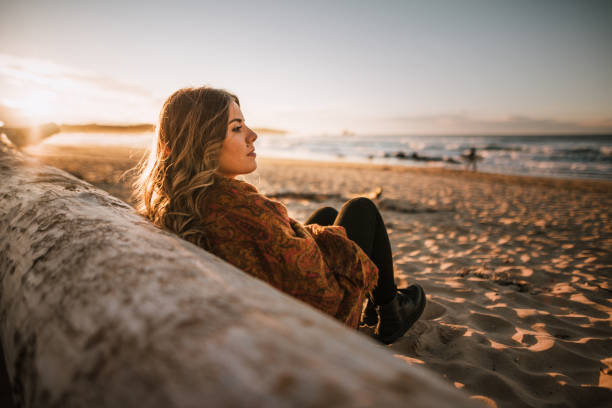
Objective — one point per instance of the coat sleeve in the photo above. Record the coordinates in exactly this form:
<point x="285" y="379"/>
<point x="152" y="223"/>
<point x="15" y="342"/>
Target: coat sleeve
<point x="321" y="269"/>
<point x="344" y="256"/>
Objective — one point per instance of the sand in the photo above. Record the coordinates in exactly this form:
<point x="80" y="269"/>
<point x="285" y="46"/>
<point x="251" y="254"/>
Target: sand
<point x="517" y="270"/>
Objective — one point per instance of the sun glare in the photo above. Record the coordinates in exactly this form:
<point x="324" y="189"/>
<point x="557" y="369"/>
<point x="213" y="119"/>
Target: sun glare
<point x="38" y="106"/>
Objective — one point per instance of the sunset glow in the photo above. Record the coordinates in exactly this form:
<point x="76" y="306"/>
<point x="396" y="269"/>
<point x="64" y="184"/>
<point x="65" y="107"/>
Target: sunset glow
<point x="406" y="68"/>
<point x="39" y="106"/>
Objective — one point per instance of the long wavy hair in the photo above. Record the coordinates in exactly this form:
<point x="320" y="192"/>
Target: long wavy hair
<point x="171" y="182"/>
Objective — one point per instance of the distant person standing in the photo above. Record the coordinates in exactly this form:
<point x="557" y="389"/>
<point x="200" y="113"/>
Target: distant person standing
<point x="471" y="158"/>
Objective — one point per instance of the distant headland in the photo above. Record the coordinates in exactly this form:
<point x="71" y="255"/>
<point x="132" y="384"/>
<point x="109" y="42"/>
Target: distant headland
<point x="30" y="135"/>
<point x="101" y="128"/>
<point x="136" y="128"/>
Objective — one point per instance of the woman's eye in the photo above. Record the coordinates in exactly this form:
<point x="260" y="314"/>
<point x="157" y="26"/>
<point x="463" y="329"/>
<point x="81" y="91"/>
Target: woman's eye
<point x="237" y="128"/>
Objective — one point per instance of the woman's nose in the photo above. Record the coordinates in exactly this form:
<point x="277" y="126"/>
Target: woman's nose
<point x="252" y="136"/>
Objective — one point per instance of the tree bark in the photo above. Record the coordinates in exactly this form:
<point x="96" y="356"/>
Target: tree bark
<point x="99" y="308"/>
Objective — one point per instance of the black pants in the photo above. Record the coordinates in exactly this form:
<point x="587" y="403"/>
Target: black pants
<point x="364" y="225"/>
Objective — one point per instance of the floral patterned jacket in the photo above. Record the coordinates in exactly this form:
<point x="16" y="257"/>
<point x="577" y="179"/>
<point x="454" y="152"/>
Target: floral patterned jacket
<point x="317" y="264"/>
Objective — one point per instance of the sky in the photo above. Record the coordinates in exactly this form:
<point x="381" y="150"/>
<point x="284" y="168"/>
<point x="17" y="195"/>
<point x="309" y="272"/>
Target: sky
<point x="384" y="67"/>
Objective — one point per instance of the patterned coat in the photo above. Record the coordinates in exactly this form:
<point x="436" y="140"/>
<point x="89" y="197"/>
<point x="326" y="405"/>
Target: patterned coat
<point x="316" y="264"/>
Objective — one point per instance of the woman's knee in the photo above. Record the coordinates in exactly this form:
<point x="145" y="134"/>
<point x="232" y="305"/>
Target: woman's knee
<point x="328" y="209"/>
<point x="327" y="212"/>
<point x="361" y="204"/>
<point x="323" y="216"/>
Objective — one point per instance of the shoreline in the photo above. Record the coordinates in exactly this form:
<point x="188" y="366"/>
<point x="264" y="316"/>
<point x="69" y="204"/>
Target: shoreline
<point x="595" y="185"/>
<point x="583" y="184"/>
<point x="573" y="159"/>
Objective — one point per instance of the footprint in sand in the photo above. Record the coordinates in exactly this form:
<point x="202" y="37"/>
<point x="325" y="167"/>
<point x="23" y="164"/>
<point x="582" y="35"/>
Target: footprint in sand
<point x="433" y="310"/>
<point x="491" y="323"/>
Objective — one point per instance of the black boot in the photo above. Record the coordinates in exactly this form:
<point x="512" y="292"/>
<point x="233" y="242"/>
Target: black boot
<point x="397" y="316"/>
<point x="369" y="316"/>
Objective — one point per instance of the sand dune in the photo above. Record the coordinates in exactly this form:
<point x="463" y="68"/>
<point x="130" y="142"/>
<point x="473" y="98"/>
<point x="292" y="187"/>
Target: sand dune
<point x="517" y="270"/>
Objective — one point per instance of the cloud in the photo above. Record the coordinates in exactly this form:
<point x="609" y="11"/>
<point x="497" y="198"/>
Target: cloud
<point x="61" y="76"/>
<point x="43" y="90"/>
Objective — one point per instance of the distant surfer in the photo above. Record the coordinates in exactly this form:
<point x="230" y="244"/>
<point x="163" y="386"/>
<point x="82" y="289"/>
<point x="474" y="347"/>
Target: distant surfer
<point x="471" y="158"/>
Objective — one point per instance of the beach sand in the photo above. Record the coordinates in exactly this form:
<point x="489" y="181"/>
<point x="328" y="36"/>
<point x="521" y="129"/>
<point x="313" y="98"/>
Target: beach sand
<point x="517" y="270"/>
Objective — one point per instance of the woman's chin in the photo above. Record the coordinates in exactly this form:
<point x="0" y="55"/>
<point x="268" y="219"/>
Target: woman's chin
<point x="250" y="168"/>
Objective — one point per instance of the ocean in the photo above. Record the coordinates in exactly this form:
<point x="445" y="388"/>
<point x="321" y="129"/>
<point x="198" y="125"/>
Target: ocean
<point x="582" y="157"/>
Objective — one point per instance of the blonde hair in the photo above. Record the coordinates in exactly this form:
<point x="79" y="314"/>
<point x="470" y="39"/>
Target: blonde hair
<point x="171" y="182"/>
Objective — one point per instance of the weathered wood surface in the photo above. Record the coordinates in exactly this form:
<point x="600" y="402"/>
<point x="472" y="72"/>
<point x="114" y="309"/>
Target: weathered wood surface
<point x="98" y="308"/>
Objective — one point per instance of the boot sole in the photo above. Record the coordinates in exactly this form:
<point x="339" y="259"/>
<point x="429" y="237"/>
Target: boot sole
<point x="411" y="321"/>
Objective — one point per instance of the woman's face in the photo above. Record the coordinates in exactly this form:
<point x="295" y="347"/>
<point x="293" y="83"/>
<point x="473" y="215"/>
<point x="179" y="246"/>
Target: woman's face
<point x="237" y="153"/>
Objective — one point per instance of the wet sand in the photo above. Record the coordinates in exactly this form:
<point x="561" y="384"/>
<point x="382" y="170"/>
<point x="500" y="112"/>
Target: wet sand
<point x="518" y="270"/>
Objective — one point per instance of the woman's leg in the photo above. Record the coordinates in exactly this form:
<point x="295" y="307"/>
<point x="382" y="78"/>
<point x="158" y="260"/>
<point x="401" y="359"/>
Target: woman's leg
<point x="364" y="225"/>
<point x="323" y="216"/>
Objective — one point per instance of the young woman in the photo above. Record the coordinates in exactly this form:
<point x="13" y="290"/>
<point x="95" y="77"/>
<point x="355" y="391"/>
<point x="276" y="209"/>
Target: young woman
<point x="334" y="262"/>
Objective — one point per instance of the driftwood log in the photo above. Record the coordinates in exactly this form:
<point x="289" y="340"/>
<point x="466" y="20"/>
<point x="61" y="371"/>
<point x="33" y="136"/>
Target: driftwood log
<point x="98" y="308"/>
